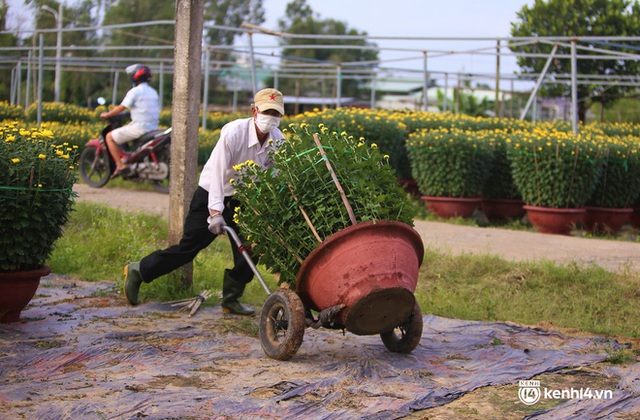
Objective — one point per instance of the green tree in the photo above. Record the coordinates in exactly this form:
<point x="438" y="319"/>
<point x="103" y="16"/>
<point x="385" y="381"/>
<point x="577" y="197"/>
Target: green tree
<point x="300" y="19"/>
<point x="232" y="14"/>
<point x="75" y="86"/>
<point x="578" y="18"/>
<point x="138" y="11"/>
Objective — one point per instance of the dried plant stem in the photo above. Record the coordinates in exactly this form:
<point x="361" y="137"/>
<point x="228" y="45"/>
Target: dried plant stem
<point x="352" y="216"/>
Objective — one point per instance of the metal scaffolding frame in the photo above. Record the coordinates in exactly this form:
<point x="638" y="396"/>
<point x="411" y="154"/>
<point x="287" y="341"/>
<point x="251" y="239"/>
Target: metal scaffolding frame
<point x="34" y="61"/>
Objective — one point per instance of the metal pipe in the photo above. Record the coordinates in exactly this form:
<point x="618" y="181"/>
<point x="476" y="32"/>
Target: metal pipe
<point x="574" y="88"/>
<point x="538" y="83"/>
<point x="114" y="94"/>
<point x="338" y="86"/>
<point x="28" y="88"/>
<point x="425" y="94"/>
<point x="253" y="64"/>
<point x="446" y="91"/>
<point x="58" y="16"/>
<point x="247" y="257"/>
<point x="39" y="114"/>
<point x="372" y="104"/>
<point x="205" y="91"/>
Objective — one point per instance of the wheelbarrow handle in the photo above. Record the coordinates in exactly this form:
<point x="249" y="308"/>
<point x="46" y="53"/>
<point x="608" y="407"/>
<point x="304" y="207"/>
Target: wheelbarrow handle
<point x="232" y="233"/>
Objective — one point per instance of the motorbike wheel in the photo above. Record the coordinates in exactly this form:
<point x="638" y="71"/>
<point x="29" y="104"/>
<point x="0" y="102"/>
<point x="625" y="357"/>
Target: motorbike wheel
<point x="95" y="170"/>
<point x="163" y="156"/>
<point x="282" y="324"/>
<point x="406" y="337"/>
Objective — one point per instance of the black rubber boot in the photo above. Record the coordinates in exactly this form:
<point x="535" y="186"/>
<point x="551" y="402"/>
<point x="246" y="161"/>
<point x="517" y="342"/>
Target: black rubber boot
<point x="231" y="292"/>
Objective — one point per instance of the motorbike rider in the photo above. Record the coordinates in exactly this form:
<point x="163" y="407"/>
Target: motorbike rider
<point x="143" y="103"/>
<point x="213" y="206"/>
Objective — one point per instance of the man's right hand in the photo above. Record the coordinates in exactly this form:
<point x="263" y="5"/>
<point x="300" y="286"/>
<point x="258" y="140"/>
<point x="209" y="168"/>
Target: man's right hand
<point x="216" y="224"/>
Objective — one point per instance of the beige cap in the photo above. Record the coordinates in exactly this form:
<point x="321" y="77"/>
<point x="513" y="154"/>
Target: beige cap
<point x="269" y="98"/>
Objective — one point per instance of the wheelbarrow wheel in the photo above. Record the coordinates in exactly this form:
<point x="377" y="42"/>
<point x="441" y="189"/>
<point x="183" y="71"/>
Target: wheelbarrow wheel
<point x="406" y="337"/>
<point x="282" y="324"/>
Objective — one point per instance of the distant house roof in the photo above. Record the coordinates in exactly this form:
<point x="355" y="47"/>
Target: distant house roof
<point x="306" y="100"/>
<point x="396" y="86"/>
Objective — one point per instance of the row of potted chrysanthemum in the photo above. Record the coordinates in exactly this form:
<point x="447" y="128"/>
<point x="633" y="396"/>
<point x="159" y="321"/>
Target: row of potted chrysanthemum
<point x="543" y="167"/>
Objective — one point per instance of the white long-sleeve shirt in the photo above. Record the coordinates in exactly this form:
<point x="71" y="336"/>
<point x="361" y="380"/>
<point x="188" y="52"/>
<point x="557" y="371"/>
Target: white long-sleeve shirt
<point x="144" y="105"/>
<point x="238" y="143"/>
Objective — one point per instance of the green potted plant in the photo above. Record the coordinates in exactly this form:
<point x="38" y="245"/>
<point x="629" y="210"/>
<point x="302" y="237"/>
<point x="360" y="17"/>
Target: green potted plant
<point x="556" y="173"/>
<point x="36" y="179"/>
<point x="500" y="196"/>
<point x="295" y="204"/>
<point x="451" y="167"/>
<point x="330" y="218"/>
<point x="618" y="188"/>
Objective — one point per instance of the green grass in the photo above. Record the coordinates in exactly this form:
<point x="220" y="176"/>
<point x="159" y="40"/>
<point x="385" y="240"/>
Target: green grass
<point x="489" y="288"/>
<point x="99" y="241"/>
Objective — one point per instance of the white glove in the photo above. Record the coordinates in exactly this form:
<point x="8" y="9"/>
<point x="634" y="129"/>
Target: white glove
<point x="216" y="223"/>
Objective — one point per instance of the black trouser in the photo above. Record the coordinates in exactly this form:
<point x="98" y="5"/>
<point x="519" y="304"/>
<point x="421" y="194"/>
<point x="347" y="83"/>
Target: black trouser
<point x="196" y="237"/>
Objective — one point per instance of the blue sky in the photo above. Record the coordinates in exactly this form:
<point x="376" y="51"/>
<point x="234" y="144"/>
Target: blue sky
<point x="421" y="18"/>
<point x="454" y="24"/>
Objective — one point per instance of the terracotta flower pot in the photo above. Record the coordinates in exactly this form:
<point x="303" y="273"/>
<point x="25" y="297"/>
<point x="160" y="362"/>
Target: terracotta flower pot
<point x="634" y="218"/>
<point x="371" y="268"/>
<point x="605" y="219"/>
<point x="552" y="220"/>
<point x="502" y="208"/>
<point x="410" y="186"/>
<point x="17" y="288"/>
<point x="448" y="207"/>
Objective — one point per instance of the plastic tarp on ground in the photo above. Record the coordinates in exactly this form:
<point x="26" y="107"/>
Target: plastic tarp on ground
<point x="80" y="352"/>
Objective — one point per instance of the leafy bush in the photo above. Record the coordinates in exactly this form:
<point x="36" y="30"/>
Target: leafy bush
<point x="36" y="179"/>
<point x="294" y="205"/>
<point x="77" y="134"/>
<point x="10" y="112"/>
<point x="553" y="168"/>
<point x="206" y="142"/>
<point x="64" y="113"/>
<point x="500" y="184"/>
<point x="450" y="163"/>
<point x="619" y="184"/>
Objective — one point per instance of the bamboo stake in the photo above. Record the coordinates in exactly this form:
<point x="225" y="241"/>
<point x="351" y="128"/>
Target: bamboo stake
<point x="304" y="214"/>
<point x="352" y="216"/>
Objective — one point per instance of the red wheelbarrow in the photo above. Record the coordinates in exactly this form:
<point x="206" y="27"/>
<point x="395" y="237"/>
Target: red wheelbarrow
<point x="361" y="279"/>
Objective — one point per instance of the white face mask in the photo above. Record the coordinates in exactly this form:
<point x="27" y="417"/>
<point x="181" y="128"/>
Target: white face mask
<point x="266" y="123"/>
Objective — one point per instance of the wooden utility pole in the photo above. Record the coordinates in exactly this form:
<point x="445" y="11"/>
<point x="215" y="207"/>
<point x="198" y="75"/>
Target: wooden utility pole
<point x="184" y="122"/>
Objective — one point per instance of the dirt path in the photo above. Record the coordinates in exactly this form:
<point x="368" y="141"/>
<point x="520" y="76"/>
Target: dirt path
<point x="509" y="244"/>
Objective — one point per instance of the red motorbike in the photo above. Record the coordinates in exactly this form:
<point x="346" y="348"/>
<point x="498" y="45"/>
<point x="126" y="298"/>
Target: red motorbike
<point x="147" y="158"/>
